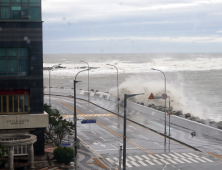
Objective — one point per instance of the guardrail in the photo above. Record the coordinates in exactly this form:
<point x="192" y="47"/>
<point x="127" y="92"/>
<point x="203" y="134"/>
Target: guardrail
<point x="179" y="121"/>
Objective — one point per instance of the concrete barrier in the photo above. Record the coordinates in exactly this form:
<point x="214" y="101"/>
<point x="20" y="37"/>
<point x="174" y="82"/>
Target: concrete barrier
<point x="179" y="121"/>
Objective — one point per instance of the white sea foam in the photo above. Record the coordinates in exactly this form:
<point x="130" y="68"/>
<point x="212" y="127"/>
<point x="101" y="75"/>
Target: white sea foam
<point x="185" y="102"/>
<point x="165" y="64"/>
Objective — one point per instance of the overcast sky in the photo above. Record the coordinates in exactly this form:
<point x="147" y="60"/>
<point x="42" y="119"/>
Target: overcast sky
<point x="132" y="26"/>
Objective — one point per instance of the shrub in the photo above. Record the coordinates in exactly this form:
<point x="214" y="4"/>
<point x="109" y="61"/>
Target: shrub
<point x="63" y="154"/>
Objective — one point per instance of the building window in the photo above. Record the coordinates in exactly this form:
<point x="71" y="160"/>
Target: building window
<point x="20" y="9"/>
<point x="14" y="62"/>
<point x="14" y="103"/>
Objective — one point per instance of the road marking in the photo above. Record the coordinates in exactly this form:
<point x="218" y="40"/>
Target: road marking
<point x="130" y="130"/>
<point x="186" y="160"/>
<point x="166" y="156"/>
<point x="207" y="159"/>
<point x="84" y="126"/>
<point x="178" y="160"/>
<point x="130" y="157"/>
<point x="186" y="155"/>
<point x="143" y="137"/>
<point x="167" y="163"/>
<point x="158" y="144"/>
<point x="138" y="158"/>
<point x="142" y="163"/>
<point x="145" y="157"/>
<point x="159" y="156"/>
<point x="102" y="139"/>
<point x="193" y="160"/>
<point x="132" y="127"/>
<point x="87" y="115"/>
<point x="193" y="154"/>
<point x="119" y="142"/>
<point x="179" y="155"/>
<point x="134" y="163"/>
<point x="157" y="162"/>
<point x="127" y="164"/>
<point x="110" y="130"/>
<point x="172" y="161"/>
<point x="115" y="127"/>
<point x="116" y="158"/>
<point x="152" y="156"/>
<point x="93" y="132"/>
<point x="149" y="162"/>
<point x="114" y="146"/>
<point x="110" y="160"/>
<point x="200" y="159"/>
<point x="173" y="155"/>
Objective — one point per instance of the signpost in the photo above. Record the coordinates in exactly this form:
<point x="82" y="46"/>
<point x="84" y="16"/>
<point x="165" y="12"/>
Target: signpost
<point x="65" y="144"/>
<point x="164" y="96"/>
<point x="151" y="96"/>
<point x="88" y="121"/>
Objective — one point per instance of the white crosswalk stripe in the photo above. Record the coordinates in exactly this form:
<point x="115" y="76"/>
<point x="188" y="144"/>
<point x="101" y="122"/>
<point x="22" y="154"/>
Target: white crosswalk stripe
<point x="160" y="159"/>
<point x="185" y="160"/>
<point x="179" y="155"/>
<point x="172" y="161"/>
<point x="193" y="160"/>
<point x="178" y="160"/>
<point x="145" y="157"/>
<point x="110" y="160"/>
<point x="164" y="161"/>
<point x="149" y="162"/>
<point x="166" y="156"/>
<point x="153" y="157"/>
<point x="207" y="159"/>
<point x="159" y="156"/>
<point x="173" y="155"/>
<point x="130" y="157"/>
<point x="134" y="163"/>
<point x="193" y="154"/>
<point x="128" y="165"/>
<point x="200" y="159"/>
<point x="187" y="155"/>
<point x="142" y="163"/>
<point x="139" y="158"/>
<point x="157" y="162"/>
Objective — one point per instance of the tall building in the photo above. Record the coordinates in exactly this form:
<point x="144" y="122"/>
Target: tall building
<point x="21" y="71"/>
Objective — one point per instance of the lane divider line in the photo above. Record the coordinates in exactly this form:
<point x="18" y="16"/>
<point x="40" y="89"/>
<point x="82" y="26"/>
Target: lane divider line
<point x="113" y="132"/>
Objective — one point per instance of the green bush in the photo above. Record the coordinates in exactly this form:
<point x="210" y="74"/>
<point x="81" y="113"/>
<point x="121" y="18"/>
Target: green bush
<point x="63" y="154"/>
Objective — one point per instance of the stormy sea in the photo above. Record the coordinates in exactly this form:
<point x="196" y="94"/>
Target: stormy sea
<point x="193" y="81"/>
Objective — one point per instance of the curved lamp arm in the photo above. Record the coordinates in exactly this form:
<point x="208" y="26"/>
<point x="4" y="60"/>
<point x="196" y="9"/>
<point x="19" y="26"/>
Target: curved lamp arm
<point x="80" y="72"/>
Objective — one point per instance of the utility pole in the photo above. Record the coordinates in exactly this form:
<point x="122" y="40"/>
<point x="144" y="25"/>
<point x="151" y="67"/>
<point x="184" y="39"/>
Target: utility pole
<point x="120" y="157"/>
<point x="75" y="118"/>
<point x="124" y="127"/>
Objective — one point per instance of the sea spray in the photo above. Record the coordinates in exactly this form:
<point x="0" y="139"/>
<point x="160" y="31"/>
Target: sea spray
<point x="181" y="100"/>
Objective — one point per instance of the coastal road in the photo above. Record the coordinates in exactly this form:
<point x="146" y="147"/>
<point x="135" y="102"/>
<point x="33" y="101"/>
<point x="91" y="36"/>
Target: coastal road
<point x="145" y="149"/>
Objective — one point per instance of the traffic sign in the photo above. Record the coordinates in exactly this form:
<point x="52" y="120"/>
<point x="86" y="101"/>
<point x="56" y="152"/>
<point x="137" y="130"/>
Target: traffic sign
<point x="65" y="144"/>
<point x="169" y="113"/>
<point x="118" y="99"/>
<point x="151" y="96"/>
<point x="88" y="121"/>
<point x="164" y="96"/>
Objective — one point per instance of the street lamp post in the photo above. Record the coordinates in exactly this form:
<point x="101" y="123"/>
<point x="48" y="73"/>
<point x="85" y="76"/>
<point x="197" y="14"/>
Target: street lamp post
<point x="124" y="125"/>
<point x="49" y="88"/>
<point x="165" y="99"/>
<point x="75" y="118"/>
<point x="88" y="80"/>
<point x="117" y="84"/>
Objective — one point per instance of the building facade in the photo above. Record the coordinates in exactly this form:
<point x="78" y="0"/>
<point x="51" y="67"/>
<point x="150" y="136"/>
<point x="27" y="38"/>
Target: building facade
<point x="21" y="70"/>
